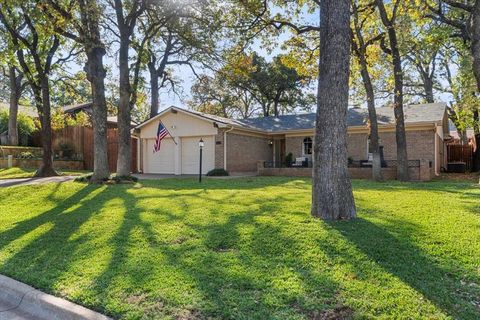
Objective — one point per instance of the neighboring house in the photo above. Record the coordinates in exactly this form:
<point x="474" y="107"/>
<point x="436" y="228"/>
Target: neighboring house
<point x="238" y="145"/>
<point x="87" y="108"/>
<point x="455" y="137"/>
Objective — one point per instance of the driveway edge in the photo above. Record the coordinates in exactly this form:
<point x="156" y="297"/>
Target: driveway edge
<point x="41" y="305"/>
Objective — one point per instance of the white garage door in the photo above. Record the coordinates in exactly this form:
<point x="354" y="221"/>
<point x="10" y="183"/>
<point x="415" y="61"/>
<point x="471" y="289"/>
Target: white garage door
<point x="191" y="155"/>
<point x="162" y="161"/>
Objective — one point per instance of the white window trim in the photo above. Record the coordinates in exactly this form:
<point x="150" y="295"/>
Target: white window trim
<point x="303" y="147"/>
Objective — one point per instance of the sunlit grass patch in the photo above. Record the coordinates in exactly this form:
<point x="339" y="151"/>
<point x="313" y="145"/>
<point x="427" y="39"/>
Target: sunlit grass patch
<point x="247" y="249"/>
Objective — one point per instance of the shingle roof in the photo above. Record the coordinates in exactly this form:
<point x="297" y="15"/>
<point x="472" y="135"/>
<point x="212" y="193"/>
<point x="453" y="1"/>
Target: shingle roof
<point x="77" y="107"/>
<point x="432" y="112"/>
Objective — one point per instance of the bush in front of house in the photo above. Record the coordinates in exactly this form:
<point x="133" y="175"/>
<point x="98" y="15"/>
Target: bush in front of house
<point x="217" y="173"/>
<point x="289" y="159"/>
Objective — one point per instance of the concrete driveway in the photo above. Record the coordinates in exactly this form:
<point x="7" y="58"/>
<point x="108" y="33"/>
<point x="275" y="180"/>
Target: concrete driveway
<point x="29" y="181"/>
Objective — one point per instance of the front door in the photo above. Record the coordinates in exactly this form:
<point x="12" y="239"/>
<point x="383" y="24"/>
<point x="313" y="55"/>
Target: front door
<point x="279" y="152"/>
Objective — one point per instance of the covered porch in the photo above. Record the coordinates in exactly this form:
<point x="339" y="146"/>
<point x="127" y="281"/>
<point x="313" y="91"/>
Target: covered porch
<point x="291" y="151"/>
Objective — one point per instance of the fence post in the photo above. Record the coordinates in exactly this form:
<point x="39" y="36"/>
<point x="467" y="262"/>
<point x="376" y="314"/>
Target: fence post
<point x="10" y="161"/>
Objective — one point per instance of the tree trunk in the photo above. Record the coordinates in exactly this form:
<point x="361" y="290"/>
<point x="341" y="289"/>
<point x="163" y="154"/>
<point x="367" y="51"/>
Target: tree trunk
<point x="275" y="108"/>
<point x="361" y="54"/>
<point x="96" y="75"/>
<point x="475" y="49"/>
<point x="428" y="87"/>
<point x="46" y="169"/>
<point x="476" y="132"/>
<point x="400" y="136"/>
<point x="332" y="196"/>
<point x="372" y="116"/>
<point x="124" y="117"/>
<point x="15" y="91"/>
<point x="154" y="87"/>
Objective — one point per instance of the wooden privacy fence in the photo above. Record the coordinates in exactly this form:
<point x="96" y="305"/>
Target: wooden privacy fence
<point x="460" y="153"/>
<point x="81" y="140"/>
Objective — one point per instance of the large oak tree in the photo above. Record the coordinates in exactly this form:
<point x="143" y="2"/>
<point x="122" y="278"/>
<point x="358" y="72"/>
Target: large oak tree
<point x="332" y="196"/>
<point x="35" y="45"/>
<point x="79" y="20"/>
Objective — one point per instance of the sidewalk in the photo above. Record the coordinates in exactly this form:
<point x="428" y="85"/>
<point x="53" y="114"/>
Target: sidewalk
<point x="28" y="181"/>
<point x="19" y="301"/>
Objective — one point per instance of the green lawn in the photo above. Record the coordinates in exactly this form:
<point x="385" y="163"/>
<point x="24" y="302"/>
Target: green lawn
<point x="15" y="172"/>
<point x="247" y="249"/>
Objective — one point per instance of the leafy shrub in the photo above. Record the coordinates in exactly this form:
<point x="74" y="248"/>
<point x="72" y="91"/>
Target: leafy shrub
<point x="123" y="179"/>
<point x="217" y="173"/>
<point x="84" y="178"/>
<point x="114" y="179"/>
<point x="26" y="126"/>
<point x="67" y="150"/>
<point x="26" y="155"/>
<point x="60" y="119"/>
<point x="289" y="159"/>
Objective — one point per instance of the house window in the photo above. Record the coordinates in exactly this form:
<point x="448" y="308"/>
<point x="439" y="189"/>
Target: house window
<point x="307" y="146"/>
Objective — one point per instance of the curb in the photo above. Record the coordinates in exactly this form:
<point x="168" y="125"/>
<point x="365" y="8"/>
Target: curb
<point x="41" y="305"/>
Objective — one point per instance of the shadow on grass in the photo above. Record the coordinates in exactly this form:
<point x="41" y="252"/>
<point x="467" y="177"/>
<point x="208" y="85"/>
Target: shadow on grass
<point x="44" y="259"/>
<point x="454" y="187"/>
<point x="394" y="250"/>
<point x="242" y="264"/>
<point x="230" y="184"/>
<point x="258" y="278"/>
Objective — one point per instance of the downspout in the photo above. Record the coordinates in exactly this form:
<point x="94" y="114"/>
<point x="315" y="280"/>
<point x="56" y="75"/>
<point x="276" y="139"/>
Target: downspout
<point x="436" y="150"/>
<point x="225" y="148"/>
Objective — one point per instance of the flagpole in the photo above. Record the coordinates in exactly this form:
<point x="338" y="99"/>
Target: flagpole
<point x="168" y="132"/>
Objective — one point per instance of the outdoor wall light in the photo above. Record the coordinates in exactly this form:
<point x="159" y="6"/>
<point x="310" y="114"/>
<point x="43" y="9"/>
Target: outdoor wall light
<point x="201" y="144"/>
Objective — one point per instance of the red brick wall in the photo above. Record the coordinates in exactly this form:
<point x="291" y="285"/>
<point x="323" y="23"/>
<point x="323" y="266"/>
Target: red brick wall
<point x="219" y="149"/>
<point x="244" y="152"/>
<point x="420" y="145"/>
<point x="422" y="173"/>
<point x="294" y="145"/>
<point x="35" y="163"/>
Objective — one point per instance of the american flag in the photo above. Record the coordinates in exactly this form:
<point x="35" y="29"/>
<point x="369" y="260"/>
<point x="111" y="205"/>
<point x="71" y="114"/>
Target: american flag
<point x="161" y="133"/>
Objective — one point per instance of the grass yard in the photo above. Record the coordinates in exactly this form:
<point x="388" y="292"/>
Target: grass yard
<point x="247" y="249"/>
<point x="15" y="172"/>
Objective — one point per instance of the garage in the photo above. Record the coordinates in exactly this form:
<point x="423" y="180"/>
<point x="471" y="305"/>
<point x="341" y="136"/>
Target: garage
<point x="191" y="155"/>
<point x="162" y="161"/>
<point x="179" y="152"/>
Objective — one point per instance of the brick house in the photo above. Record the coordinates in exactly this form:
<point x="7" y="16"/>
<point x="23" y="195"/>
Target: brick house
<point x="240" y="145"/>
